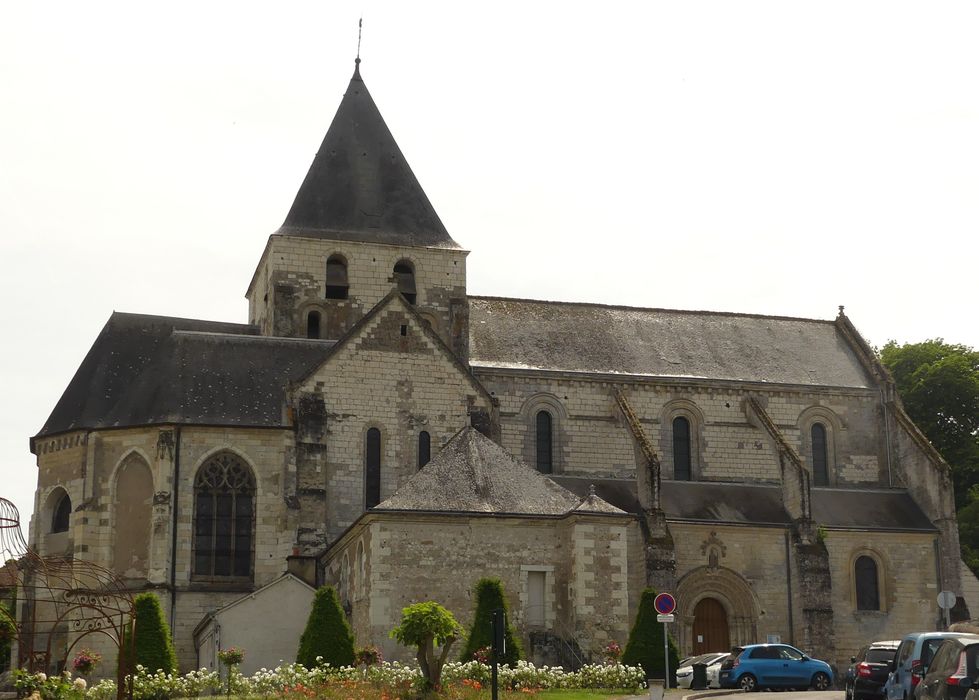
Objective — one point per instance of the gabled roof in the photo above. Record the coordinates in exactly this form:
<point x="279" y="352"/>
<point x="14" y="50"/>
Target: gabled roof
<point x="156" y="369"/>
<point x="472" y="474"/>
<point x="360" y="187"/>
<point x="599" y="339"/>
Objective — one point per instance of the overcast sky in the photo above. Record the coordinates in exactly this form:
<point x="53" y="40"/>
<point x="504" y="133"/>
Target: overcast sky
<point x="766" y="157"/>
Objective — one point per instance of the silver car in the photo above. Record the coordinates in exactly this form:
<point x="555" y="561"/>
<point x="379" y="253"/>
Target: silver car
<point x="684" y="674"/>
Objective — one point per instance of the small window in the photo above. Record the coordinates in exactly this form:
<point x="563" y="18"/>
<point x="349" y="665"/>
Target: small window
<point x="62" y="514"/>
<point x="372" y="468"/>
<point x="424" y="448"/>
<point x="313" y="324"/>
<point x="820" y="470"/>
<point x="536" y="581"/>
<point x="404" y="275"/>
<point x="681" y="449"/>
<point x="545" y="463"/>
<point x="337" y="286"/>
<point x="865" y="575"/>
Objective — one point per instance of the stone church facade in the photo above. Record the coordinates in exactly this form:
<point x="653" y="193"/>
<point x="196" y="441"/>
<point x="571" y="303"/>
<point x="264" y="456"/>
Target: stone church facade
<point x="375" y="427"/>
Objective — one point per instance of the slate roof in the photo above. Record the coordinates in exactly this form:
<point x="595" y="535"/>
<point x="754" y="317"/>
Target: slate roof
<point x="360" y="187"/>
<point x="593" y="338"/>
<point x="761" y="504"/>
<point x="158" y="369"/>
<point x="472" y="474"/>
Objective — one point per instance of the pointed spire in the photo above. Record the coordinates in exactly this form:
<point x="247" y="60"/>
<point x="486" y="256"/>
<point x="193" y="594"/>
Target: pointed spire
<point x="360" y="187"/>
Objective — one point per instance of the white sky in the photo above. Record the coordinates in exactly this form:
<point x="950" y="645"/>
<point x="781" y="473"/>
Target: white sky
<point x="769" y="157"/>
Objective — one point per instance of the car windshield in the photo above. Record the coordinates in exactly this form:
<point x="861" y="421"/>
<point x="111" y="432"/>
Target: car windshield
<point x="880" y="656"/>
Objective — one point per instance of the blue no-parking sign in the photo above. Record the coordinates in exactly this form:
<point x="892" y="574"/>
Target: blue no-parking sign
<point x="664" y="603"/>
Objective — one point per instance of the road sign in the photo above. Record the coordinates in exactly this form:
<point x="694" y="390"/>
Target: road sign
<point x="946" y="600"/>
<point x="666" y="618"/>
<point x="665" y="604"/>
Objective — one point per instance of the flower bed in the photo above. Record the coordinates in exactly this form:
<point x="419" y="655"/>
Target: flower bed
<point x="390" y="680"/>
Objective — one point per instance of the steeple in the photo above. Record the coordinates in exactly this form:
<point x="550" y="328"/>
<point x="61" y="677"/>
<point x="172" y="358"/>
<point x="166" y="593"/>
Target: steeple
<point x="360" y="187"/>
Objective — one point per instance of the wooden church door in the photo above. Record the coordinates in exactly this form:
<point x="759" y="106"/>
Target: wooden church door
<point x="710" y="631"/>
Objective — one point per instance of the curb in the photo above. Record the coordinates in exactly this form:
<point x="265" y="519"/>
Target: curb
<point x="711" y="694"/>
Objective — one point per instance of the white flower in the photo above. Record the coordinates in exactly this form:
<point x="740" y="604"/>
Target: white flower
<point x="80" y="684"/>
<point x="42" y="677"/>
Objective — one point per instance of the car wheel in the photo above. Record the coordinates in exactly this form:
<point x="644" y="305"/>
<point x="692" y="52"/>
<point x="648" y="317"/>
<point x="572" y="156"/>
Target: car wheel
<point x="747" y="683"/>
<point x="820" y="681"/>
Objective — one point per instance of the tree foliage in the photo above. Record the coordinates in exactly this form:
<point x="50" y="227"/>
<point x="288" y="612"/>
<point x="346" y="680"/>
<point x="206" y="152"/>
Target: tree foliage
<point x="939" y="385"/>
<point x="154" y="646"/>
<point x="425" y="626"/>
<point x="327" y="632"/>
<point x="490" y="597"/>
<point x="645" y="645"/>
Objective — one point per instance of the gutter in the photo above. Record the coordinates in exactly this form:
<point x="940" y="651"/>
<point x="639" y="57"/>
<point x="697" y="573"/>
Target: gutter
<point x="173" y="528"/>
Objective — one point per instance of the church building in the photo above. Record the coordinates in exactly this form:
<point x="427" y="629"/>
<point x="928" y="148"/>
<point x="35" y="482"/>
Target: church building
<point x="373" y="426"/>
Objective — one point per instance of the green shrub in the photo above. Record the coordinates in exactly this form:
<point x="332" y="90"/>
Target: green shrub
<point x="645" y="645"/>
<point x="426" y="626"/>
<point x="327" y="633"/>
<point x="154" y="646"/>
<point x="489" y="597"/>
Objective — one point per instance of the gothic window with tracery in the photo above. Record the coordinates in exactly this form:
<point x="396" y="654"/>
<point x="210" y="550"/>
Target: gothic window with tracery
<point x="867" y="583"/>
<point x="224" y="508"/>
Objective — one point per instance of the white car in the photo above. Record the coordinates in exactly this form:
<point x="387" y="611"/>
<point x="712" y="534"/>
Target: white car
<point x="684" y="674"/>
<point x="714" y="671"/>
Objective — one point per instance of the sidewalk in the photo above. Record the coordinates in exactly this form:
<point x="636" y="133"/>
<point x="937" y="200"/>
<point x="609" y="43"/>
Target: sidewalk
<point x="684" y="694"/>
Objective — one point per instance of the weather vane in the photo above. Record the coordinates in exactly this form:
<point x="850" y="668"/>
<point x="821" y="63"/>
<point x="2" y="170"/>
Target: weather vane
<point x="360" y="29"/>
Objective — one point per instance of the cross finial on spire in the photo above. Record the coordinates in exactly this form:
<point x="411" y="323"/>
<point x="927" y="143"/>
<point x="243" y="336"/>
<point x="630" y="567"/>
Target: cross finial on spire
<point x="841" y="309"/>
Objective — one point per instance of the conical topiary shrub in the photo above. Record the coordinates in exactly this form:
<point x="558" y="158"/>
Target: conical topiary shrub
<point x="327" y="632"/>
<point x="489" y="597"/>
<point x="154" y="646"/>
<point x="645" y="645"/>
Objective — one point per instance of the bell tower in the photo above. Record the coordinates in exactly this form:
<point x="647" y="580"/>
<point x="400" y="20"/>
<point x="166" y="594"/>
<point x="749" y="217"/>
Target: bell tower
<point x="360" y="226"/>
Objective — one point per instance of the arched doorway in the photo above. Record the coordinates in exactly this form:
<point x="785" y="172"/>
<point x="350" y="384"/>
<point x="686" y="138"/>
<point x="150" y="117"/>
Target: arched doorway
<point x="710" y="630"/>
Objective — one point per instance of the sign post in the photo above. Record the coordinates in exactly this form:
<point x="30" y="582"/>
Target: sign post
<point x="665" y="604"/>
<point x="946" y="601"/>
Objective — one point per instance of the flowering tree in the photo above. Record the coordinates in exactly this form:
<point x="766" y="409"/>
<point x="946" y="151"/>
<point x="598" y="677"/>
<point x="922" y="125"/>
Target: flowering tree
<point x="427" y="625"/>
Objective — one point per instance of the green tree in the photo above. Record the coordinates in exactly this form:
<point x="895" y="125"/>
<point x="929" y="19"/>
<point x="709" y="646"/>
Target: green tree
<point x="645" y="645"/>
<point x="490" y="597"/>
<point x="425" y="626"/>
<point x="7" y="629"/>
<point x="327" y="632"/>
<point x="939" y="386"/>
<point x="154" y="646"/>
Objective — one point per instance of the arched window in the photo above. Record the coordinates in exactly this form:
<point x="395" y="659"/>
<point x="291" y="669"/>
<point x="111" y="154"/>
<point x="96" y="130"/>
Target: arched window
<point x="224" y="523"/>
<point x="681" y="449"/>
<point x="337" y="285"/>
<point x="372" y="468"/>
<point x="820" y="470"/>
<point x="867" y="584"/>
<point x="61" y="515"/>
<point x="545" y="443"/>
<point x="424" y="448"/>
<point x="404" y="275"/>
<point x="313" y="324"/>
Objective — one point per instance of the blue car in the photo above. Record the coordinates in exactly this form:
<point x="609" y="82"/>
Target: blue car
<point x="774" y="666"/>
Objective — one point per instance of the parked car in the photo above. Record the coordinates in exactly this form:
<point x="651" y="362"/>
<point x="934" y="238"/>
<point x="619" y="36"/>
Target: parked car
<point x="775" y="666"/>
<point x="914" y="655"/>
<point x="714" y="672"/>
<point x="684" y="673"/>
<point x="952" y="672"/>
<point x="869" y="670"/>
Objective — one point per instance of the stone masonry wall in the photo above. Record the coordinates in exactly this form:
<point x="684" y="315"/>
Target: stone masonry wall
<point x="299" y="264"/>
<point x="400" y="384"/>
<point x="591" y="437"/>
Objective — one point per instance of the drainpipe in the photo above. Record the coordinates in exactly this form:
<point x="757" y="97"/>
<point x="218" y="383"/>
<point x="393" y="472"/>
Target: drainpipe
<point x="173" y="528"/>
<point x="788" y="579"/>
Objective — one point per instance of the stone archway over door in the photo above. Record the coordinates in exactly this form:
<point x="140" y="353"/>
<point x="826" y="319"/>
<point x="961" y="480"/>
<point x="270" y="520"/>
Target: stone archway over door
<point x="727" y="588"/>
<point x="710" y="630"/>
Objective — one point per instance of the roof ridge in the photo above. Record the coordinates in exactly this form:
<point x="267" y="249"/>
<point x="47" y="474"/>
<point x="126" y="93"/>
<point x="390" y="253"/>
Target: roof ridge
<point x="255" y="338"/>
<point x="691" y="312"/>
<point x="160" y="317"/>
